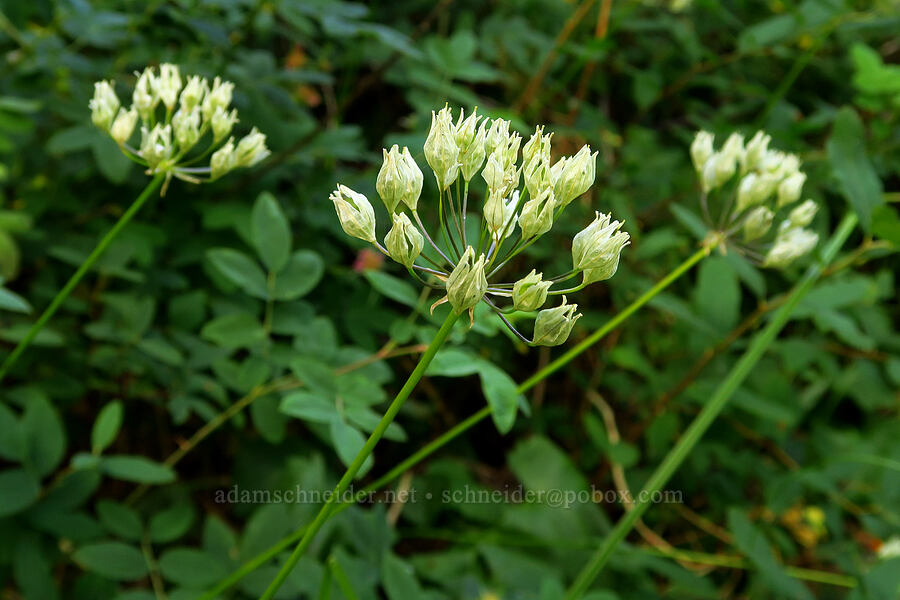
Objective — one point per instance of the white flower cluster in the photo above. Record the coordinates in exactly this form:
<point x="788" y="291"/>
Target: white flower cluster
<point x="174" y="118"/>
<point x="768" y="183"/>
<point x="456" y="152"/>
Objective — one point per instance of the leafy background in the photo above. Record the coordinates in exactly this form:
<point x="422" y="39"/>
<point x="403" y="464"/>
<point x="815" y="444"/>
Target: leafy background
<point x="234" y="336"/>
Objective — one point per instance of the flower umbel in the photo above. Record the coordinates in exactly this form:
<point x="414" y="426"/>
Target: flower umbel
<point x="756" y="202"/>
<point x="512" y="219"/>
<point x="172" y="142"/>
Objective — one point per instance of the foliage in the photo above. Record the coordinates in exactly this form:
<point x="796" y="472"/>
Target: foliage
<point x="233" y="339"/>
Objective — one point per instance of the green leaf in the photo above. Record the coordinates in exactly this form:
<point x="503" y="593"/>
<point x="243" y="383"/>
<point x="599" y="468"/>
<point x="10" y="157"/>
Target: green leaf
<point x="302" y="273"/>
<point x="269" y="421"/>
<point x="855" y="173"/>
<point x="396" y="289"/>
<point x="237" y="330"/>
<point x="136" y="468"/>
<point x="885" y="224"/>
<point x="453" y="362"/>
<point x="241" y="270"/>
<point x="500" y="391"/>
<point x="172" y="523"/>
<point x="315" y="375"/>
<point x="399" y="579"/>
<point x="114" y="165"/>
<point x="717" y="296"/>
<point x="191" y="567"/>
<point x="348" y="441"/>
<point x="44" y="435"/>
<point x="18" y="490"/>
<point x="309" y="407"/>
<point x="120" y="520"/>
<point x="690" y="220"/>
<point x="12" y="441"/>
<point x="106" y="427"/>
<point x="13" y="302"/>
<point x="114" y="560"/>
<point x="271" y="232"/>
<point x="754" y="545"/>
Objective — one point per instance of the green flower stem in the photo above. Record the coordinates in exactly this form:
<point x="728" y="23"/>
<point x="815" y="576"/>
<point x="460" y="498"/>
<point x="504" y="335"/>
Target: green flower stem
<point x="629" y="310"/>
<point x="82" y="270"/>
<point x="364" y="453"/>
<point x="458" y="429"/>
<point x="712" y="409"/>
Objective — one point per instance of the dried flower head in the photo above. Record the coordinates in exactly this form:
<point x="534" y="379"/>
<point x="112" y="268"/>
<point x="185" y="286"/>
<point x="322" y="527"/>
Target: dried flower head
<point x="755" y="200"/>
<point x="172" y="136"/>
<point x="465" y="268"/>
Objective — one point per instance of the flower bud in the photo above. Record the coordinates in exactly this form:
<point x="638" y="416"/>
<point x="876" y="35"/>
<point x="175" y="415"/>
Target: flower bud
<point x="156" y="145"/>
<point x="537" y="149"/>
<point x="597" y="247"/>
<point x="733" y="149"/>
<point x="123" y="126"/>
<point x="104" y="105"/>
<point x="222" y="123"/>
<point x="494" y="173"/>
<point x="441" y="151"/>
<point x="530" y="292"/>
<point x="146" y="94"/>
<point x="497" y="135"/>
<point x="790" y="189"/>
<point x="470" y="142"/>
<point x="802" y="215"/>
<point x="701" y="149"/>
<point x="500" y="214"/>
<point x="404" y="242"/>
<point x="187" y="128"/>
<point x="355" y="213"/>
<point x="193" y="92"/>
<point x="537" y="214"/>
<point x="576" y="176"/>
<point x="169" y="84"/>
<point x="399" y="180"/>
<point x="754" y="189"/>
<point x="222" y="160"/>
<point x="790" y="244"/>
<point x="757" y="223"/>
<point x="467" y="283"/>
<point x="251" y="149"/>
<point x="721" y="165"/>
<point x="755" y="151"/>
<point x="538" y="175"/>
<point x="553" y="325"/>
<point x="218" y="97"/>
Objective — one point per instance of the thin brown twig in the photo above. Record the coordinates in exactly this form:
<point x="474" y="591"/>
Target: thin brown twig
<point x="535" y="82"/>
<point x="618" y="474"/>
<point x="704" y="524"/>
<point x="587" y="74"/>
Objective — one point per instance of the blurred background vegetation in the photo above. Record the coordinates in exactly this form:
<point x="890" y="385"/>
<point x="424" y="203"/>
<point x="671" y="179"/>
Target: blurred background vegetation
<point x="108" y="478"/>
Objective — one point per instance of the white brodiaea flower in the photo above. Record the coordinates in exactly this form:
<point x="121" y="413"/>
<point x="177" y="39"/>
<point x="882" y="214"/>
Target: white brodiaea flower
<point x="768" y="181"/>
<point x="463" y="261"/>
<point x="172" y="138"/>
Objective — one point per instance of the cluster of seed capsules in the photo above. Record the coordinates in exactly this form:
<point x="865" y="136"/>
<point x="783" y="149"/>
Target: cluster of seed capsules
<point x="512" y="219"/>
<point x="174" y="120"/>
<point x="765" y="192"/>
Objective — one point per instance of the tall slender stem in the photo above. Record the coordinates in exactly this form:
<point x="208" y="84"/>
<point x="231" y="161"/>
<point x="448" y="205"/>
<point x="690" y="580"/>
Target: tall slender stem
<point x="460" y="428"/>
<point x="592" y="339"/>
<point x="364" y="453"/>
<point x="62" y="294"/>
<point x="712" y="409"/>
